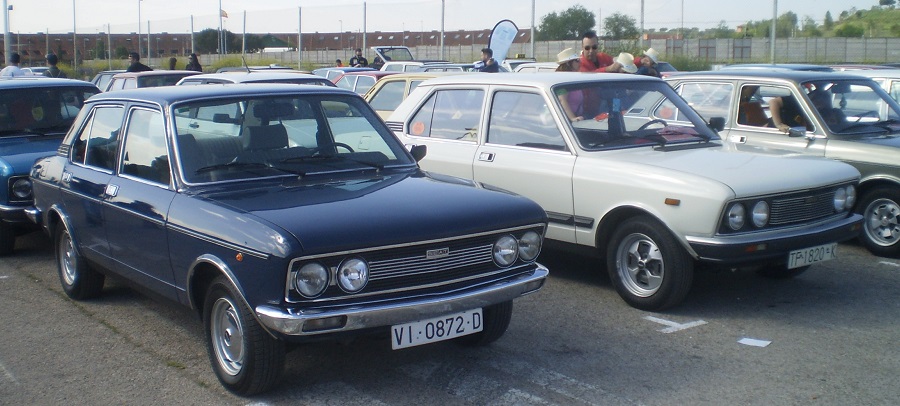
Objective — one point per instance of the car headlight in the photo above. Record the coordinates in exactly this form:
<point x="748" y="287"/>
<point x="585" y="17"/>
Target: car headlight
<point x="21" y="188"/>
<point x="529" y="246"/>
<point x="851" y="197"/>
<point x="760" y="214"/>
<point x="844" y="198"/>
<point x="353" y="275"/>
<point x="506" y="250"/>
<point x="736" y="214"/>
<point x="311" y="280"/>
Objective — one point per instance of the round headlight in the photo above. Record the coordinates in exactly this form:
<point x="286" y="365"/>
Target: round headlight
<point x="851" y="197"/>
<point x="529" y="246"/>
<point x="840" y="199"/>
<point x="506" y="250"/>
<point x="311" y="280"/>
<point x="736" y="216"/>
<point x="760" y="214"/>
<point x="353" y="275"/>
<point x="21" y="188"/>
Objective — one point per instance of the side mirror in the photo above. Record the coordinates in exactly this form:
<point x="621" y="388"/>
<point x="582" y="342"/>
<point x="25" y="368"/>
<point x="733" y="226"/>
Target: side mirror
<point x="797" y="132"/>
<point x="717" y="123"/>
<point x="418" y="152"/>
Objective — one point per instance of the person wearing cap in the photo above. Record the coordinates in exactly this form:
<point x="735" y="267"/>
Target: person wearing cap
<point x="626" y="61"/>
<point x="136" y="65"/>
<point x="13" y="70"/>
<point x="53" y="71"/>
<point x="591" y="59"/>
<point x="570" y="100"/>
<point x="648" y="63"/>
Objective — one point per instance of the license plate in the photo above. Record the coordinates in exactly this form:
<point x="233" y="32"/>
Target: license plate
<point x="808" y="256"/>
<point x="436" y="329"/>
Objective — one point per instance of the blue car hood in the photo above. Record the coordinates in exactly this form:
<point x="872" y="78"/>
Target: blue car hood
<point x="383" y="210"/>
<point x="19" y="153"/>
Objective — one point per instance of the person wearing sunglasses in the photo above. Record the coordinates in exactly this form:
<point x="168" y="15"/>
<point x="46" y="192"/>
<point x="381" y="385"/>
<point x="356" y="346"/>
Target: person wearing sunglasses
<point x="594" y="61"/>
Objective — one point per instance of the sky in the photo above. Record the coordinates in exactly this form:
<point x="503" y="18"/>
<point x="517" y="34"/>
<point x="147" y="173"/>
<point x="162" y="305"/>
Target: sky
<point x="283" y="16"/>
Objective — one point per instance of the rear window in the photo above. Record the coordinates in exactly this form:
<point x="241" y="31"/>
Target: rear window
<point x="41" y="110"/>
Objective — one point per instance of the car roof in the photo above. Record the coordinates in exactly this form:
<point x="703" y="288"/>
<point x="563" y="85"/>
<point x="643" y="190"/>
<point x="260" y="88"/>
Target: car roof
<point x="367" y="73"/>
<point x="795" y="75"/>
<point x="244" y="76"/>
<point x="892" y="73"/>
<point x="167" y="95"/>
<point x="420" y="75"/>
<point x="786" y="66"/>
<point x="40" y="81"/>
<point x="155" y="73"/>
<point x="539" y="79"/>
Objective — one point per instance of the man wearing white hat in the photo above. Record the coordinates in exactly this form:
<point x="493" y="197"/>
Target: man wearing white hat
<point x="648" y="63"/>
<point x="627" y="61"/>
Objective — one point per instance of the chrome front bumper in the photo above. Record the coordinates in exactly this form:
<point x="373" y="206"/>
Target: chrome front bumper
<point x="292" y="323"/>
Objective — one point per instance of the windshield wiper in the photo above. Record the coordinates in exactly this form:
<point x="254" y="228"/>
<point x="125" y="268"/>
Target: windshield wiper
<point x="330" y="157"/>
<point x="232" y="165"/>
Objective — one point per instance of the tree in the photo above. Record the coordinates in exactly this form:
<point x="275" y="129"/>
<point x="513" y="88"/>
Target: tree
<point x="568" y="24"/>
<point x="887" y="3"/>
<point x="829" y="21"/>
<point x="207" y="42"/>
<point x="620" y="26"/>
<point x="810" y="29"/>
<point x="849" y="30"/>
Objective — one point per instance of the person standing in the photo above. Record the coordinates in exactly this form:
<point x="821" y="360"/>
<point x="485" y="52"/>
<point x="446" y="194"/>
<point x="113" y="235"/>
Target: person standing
<point x="359" y="61"/>
<point x="594" y="61"/>
<point x="194" y="64"/>
<point x="12" y="70"/>
<point x="338" y="63"/>
<point x="136" y="65"/>
<point x="53" y="71"/>
<point x="488" y="64"/>
<point x="648" y="63"/>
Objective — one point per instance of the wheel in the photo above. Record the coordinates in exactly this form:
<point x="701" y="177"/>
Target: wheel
<point x="7" y="239"/>
<point x="496" y="321"/>
<point x="651" y="122"/>
<point x="246" y="359"/>
<point x="880" y="208"/>
<point x="780" y="271"/>
<point x="648" y="267"/>
<point x="78" y="279"/>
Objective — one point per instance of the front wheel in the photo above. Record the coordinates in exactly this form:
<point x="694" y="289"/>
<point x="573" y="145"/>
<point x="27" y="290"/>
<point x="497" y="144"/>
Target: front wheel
<point x="648" y="267"/>
<point x="496" y="321"/>
<point x="246" y="359"/>
<point x="880" y="209"/>
<point x="78" y="279"/>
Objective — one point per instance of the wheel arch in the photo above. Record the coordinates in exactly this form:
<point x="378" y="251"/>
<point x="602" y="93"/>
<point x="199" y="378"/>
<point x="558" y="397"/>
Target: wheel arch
<point x="202" y="272"/>
<point x="617" y="216"/>
<point x="867" y="185"/>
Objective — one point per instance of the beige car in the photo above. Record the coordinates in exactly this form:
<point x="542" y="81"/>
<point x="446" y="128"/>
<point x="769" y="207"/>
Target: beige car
<point x="390" y="91"/>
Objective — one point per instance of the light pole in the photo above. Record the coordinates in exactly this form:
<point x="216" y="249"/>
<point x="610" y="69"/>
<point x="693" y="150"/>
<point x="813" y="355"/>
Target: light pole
<point x="772" y="39"/>
<point x="341" y="35"/>
<point x="139" y="30"/>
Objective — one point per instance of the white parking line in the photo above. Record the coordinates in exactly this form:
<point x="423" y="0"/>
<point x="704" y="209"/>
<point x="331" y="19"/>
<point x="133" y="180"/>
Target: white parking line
<point x="889" y="263"/>
<point x="9" y="376"/>
<point x="673" y="326"/>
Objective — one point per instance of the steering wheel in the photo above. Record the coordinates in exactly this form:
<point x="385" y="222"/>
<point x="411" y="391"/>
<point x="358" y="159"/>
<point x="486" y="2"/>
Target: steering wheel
<point x="651" y="122"/>
<point x="317" y="150"/>
<point x="871" y="113"/>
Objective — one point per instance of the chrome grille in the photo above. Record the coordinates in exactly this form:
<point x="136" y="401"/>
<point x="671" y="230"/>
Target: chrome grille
<point x="798" y="209"/>
<point x="395" y="126"/>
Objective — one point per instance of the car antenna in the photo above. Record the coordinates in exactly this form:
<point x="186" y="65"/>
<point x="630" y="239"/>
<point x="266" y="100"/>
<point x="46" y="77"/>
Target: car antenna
<point x="244" y="62"/>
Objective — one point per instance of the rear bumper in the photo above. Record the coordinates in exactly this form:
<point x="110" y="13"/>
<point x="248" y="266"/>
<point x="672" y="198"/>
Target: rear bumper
<point x="295" y="322"/>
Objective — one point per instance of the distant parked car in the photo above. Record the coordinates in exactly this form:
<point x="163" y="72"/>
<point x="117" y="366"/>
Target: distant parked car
<point x="360" y="82"/>
<point x="35" y="113"/>
<point x="888" y="79"/>
<point x="281" y="214"/>
<point x="333" y="72"/>
<point x="254" y="68"/>
<point x="837" y="115"/>
<point x="35" y="70"/>
<point x="511" y="64"/>
<point x="453" y="67"/>
<point x="261" y="76"/>
<point x="390" y="91"/>
<point x="102" y="78"/>
<point x="779" y="66"/>
<point x="649" y="195"/>
<point x="154" y="78"/>
<point x="535" y="67"/>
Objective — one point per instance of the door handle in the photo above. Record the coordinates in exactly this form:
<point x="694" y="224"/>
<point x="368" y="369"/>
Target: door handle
<point x="486" y="157"/>
<point x="111" y="190"/>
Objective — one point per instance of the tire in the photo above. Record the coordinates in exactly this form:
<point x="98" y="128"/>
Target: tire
<point x="78" y="279"/>
<point x="780" y="271"/>
<point x="880" y="208"/>
<point x="246" y="359"/>
<point x="496" y="321"/>
<point x="7" y="239"/>
<point x="648" y="267"/>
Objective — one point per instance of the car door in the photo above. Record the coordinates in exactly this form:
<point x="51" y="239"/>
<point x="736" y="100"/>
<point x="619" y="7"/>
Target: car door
<point x="85" y="178"/>
<point x="138" y="200"/>
<point x="447" y="123"/>
<point x="524" y="151"/>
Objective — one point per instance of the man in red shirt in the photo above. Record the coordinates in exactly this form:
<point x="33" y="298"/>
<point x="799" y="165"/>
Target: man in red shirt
<point x="594" y="61"/>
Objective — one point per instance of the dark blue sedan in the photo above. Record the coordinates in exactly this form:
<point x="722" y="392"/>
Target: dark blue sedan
<point x="280" y="214"/>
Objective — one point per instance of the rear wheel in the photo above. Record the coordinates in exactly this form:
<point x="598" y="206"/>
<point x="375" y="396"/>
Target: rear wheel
<point x="880" y="208"/>
<point x="246" y="359"/>
<point x="648" y="267"/>
<point x="496" y="321"/>
<point x="7" y="239"/>
<point x="78" y="279"/>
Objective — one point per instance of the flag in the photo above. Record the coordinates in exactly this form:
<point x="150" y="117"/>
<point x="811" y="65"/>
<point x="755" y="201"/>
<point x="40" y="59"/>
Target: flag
<point x="222" y="13"/>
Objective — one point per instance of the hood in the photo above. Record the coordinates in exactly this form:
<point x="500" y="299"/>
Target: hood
<point x="746" y="174"/>
<point x="875" y="150"/>
<point x="395" y="209"/>
<point x="19" y="153"/>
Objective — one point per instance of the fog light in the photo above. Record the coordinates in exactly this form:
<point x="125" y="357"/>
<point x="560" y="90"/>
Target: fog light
<point x="21" y="188"/>
<point x="328" y="323"/>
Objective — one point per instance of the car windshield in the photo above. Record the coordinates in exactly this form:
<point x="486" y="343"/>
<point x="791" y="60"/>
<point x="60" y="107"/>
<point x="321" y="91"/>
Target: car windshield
<point x="40" y="111"/>
<point x="608" y="115"/>
<point x="263" y="137"/>
<point x="853" y="107"/>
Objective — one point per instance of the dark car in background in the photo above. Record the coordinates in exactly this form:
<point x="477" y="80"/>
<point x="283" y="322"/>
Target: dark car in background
<point x="102" y="78"/>
<point x="281" y="214"/>
<point x="35" y="113"/>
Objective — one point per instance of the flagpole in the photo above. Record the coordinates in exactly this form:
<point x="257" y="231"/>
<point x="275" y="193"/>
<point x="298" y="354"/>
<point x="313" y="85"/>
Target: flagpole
<point x="221" y="33"/>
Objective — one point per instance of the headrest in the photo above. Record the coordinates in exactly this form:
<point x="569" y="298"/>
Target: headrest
<point x="272" y="110"/>
<point x="265" y="137"/>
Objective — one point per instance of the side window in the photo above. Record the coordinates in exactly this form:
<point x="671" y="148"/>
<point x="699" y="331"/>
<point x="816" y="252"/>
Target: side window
<point x="708" y="99"/>
<point x="145" y="154"/>
<point x="364" y="83"/>
<point x="450" y="114"/>
<point x="389" y="96"/>
<point x="345" y="82"/>
<point x="895" y="90"/>
<point x="98" y="142"/>
<point x="413" y="84"/>
<point x="129" y="83"/>
<point x="524" y="120"/>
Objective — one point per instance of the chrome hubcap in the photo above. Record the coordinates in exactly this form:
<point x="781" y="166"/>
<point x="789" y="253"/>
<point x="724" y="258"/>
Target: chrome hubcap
<point x="68" y="258"/>
<point x="227" y="336"/>
<point x="640" y="265"/>
<point x="883" y="222"/>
